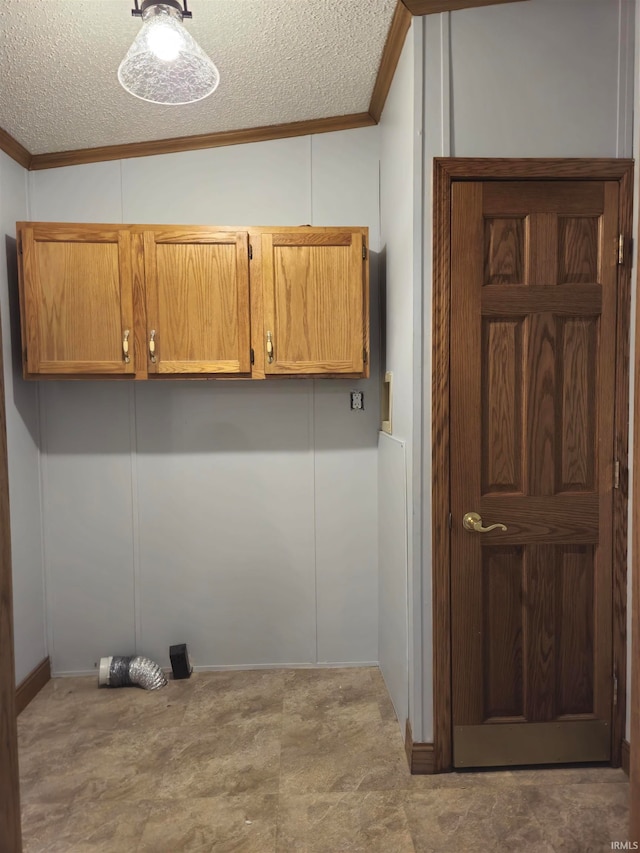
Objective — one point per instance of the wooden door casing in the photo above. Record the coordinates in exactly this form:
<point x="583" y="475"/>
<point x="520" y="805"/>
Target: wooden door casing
<point x="315" y="297"/>
<point x="77" y="299"/>
<point x="10" y="830"/>
<point x="197" y="301"/>
<point x="634" y="734"/>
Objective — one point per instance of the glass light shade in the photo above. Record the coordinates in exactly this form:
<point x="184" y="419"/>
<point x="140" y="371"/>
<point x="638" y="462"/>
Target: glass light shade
<point x="165" y="65"/>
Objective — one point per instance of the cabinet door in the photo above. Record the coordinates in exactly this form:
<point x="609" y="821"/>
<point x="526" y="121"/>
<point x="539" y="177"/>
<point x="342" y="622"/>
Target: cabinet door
<point x="315" y="302"/>
<point x="77" y="304"/>
<point x="197" y="293"/>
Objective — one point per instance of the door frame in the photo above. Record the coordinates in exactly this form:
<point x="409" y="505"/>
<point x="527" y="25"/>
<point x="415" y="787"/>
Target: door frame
<point x="446" y="170"/>
<point x="10" y="828"/>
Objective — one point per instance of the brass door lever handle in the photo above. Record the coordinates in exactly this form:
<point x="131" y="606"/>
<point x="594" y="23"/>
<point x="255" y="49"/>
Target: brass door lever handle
<point x="473" y="521"/>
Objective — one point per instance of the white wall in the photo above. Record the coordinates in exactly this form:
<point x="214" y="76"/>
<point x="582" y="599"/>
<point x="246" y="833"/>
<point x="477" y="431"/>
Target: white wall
<point x="400" y="207"/>
<point x="22" y="439"/>
<point x="536" y="79"/>
<point x="394" y="570"/>
<point x="239" y="518"/>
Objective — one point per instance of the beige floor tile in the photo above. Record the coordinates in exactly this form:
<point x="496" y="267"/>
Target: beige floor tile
<point x="230" y="824"/>
<point x="581" y="818"/>
<point x="234" y="759"/>
<point x="42" y="825"/>
<point x="491" y="821"/>
<point x="358" y="822"/>
<point x="568" y="775"/>
<point x="133" y="707"/>
<point x="84" y="692"/>
<point x="37" y="726"/>
<point x="65" y="689"/>
<point x="464" y="779"/>
<point x="123" y="765"/>
<point x="102" y="827"/>
<point x="342" y="752"/>
<point x="531" y="776"/>
<point x="48" y="770"/>
<point x="97" y="764"/>
<point x="219" y="698"/>
<point x="314" y="694"/>
<point x="89" y="707"/>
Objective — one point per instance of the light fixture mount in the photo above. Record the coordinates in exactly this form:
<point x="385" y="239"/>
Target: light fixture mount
<point x="165" y="65"/>
<point x="139" y="11"/>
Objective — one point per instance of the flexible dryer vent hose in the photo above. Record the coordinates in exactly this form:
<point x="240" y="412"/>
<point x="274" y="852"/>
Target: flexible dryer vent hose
<point x="125" y="671"/>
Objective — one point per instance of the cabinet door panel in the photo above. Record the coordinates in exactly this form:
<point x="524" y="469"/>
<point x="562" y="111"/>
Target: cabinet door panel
<point x="198" y="301"/>
<point x="77" y="300"/>
<point x="315" y="302"/>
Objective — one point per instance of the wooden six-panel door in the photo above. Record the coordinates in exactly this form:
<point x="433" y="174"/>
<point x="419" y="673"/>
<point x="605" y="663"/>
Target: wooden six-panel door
<point x="533" y="337"/>
<point x="197" y="301"/>
<point x="77" y="299"/>
<point x="316" y="310"/>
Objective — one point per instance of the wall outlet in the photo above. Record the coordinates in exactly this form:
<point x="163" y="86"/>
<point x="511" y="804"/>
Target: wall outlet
<point x="357" y="400"/>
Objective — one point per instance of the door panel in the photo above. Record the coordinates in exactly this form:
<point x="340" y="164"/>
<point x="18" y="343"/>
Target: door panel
<point x="577" y="451"/>
<point x="533" y="322"/>
<point x="501" y="455"/>
<point x="502" y="574"/>
<point x="575" y="594"/>
<point x="504" y="250"/>
<point x="198" y="301"/>
<point x="78" y="299"/>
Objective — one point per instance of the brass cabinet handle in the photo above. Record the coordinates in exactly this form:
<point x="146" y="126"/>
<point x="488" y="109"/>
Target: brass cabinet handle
<point x="269" y="348"/>
<point x="473" y="521"/>
<point x="125" y="346"/>
<point x="152" y="346"/>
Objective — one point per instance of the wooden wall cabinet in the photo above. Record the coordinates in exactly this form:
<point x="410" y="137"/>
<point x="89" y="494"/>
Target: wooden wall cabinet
<point x="109" y="301"/>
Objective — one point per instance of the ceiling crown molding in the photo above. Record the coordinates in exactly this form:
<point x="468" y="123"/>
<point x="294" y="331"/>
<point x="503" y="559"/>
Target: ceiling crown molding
<point x="13" y="148"/>
<point x="400" y="24"/>
<point x="205" y="140"/>
<point x="433" y="7"/>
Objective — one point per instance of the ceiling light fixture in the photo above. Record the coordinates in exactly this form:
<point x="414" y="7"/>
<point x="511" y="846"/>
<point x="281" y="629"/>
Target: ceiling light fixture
<point x="165" y="65"/>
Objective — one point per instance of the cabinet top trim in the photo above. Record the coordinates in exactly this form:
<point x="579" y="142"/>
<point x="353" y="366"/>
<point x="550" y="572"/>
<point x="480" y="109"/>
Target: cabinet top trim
<point x="202" y="229"/>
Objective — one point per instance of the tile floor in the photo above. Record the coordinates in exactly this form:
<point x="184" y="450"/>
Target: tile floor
<point x="279" y="760"/>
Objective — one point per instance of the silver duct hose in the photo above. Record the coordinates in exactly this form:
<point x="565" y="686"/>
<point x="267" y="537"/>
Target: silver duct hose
<point x="125" y="671"/>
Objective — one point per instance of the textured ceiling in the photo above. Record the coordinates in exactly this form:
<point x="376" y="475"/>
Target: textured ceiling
<point x="279" y="61"/>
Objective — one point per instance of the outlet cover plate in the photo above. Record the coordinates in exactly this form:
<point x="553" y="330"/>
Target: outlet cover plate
<point x="357" y="400"/>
